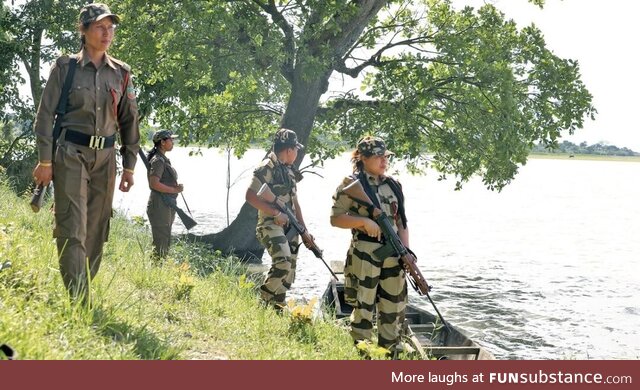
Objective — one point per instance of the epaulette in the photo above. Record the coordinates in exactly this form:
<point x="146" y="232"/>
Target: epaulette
<point x="267" y="162"/>
<point x="159" y="157"/>
<point x="63" y="60"/>
<point x="123" y="64"/>
<point x="348" y="180"/>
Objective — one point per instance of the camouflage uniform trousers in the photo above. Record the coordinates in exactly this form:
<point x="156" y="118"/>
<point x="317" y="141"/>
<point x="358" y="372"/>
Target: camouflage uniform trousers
<point x="370" y="285"/>
<point x="84" y="181"/>
<point x="283" y="263"/>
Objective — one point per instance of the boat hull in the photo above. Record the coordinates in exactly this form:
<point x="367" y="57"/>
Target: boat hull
<point x="421" y="327"/>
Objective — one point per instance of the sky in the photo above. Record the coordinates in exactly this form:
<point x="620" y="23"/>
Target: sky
<point x="600" y="35"/>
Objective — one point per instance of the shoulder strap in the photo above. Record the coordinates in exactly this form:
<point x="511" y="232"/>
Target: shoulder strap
<point x="64" y="97"/>
<point x="397" y="190"/>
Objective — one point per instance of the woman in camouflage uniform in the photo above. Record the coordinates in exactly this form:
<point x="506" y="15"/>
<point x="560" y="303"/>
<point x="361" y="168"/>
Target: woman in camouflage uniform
<point x="278" y="172"/>
<point x="372" y="283"/>
<point x="101" y="103"/>
<point x="163" y="181"/>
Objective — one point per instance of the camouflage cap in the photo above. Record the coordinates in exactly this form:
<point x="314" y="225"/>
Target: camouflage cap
<point x="163" y="134"/>
<point x="287" y="137"/>
<point x="96" y="11"/>
<point x="370" y="146"/>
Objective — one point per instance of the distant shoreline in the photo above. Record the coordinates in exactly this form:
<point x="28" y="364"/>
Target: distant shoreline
<point x="592" y="157"/>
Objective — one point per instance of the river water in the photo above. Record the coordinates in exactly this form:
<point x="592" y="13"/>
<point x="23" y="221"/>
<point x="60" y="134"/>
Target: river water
<point x="547" y="269"/>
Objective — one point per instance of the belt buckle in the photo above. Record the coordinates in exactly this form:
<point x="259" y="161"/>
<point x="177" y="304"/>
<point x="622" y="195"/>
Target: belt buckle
<point x="97" y="142"/>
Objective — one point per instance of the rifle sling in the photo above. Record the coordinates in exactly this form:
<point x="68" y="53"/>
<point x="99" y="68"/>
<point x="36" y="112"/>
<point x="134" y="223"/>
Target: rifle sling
<point x="61" y="109"/>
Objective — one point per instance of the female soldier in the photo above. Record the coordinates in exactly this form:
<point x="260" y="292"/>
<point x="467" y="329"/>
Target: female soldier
<point x="163" y="180"/>
<point x="101" y="101"/>
<point x="278" y="172"/>
<point x="371" y="282"/>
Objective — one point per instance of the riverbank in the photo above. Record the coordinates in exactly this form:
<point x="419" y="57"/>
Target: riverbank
<point x="194" y="306"/>
<point x="590" y="157"/>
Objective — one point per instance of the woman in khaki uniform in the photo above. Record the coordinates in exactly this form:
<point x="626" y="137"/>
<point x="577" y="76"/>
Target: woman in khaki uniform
<point x="101" y="101"/>
<point x="163" y="181"/>
<point x="372" y="283"/>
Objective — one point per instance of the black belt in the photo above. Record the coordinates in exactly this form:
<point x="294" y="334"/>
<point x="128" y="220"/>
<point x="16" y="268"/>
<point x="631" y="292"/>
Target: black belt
<point x="93" y="141"/>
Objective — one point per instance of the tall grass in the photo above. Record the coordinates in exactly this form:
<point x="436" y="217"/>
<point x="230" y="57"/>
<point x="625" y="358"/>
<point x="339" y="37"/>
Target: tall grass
<point x="196" y="305"/>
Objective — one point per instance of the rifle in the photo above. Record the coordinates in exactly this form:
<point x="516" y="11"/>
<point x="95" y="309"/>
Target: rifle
<point x="39" y="192"/>
<point x="268" y="196"/>
<point x="393" y="245"/>
<point x="169" y="200"/>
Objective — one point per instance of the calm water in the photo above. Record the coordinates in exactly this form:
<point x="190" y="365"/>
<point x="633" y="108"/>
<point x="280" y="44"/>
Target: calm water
<point x="547" y="269"/>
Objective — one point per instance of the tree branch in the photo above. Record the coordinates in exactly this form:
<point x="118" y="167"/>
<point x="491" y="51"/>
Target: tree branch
<point x="289" y="45"/>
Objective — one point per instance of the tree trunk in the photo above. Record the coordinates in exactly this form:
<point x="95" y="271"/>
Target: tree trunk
<point x="307" y="87"/>
<point x="239" y="238"/>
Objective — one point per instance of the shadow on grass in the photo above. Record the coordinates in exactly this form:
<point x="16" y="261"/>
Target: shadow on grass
<point x="146" y="345"/>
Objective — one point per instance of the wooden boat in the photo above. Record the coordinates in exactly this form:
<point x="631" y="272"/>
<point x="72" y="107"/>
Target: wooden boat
<point x="422" y="329"/>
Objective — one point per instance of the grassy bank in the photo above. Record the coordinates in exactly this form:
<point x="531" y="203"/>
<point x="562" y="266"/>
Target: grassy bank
<point x="194" y="306"/>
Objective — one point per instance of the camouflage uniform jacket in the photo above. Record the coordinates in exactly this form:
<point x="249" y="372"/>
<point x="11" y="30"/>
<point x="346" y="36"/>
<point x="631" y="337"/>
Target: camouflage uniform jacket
<point x="282" y="180"/>
<point x="343" y="204"/>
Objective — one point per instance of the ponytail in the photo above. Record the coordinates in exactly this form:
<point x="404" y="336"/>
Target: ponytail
<point x="153" y="151"/>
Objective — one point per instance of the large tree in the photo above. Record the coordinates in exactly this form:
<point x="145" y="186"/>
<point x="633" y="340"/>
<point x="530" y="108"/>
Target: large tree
<point x="468" y="87"/>
<point x="465" y="86"/>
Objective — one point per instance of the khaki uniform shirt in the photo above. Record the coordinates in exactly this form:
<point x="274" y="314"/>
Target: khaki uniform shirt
<point x="160" y="166"/>
<point x="99" y="103"/>
<point x="343" y="204"/>
<point x="282" y="180"/>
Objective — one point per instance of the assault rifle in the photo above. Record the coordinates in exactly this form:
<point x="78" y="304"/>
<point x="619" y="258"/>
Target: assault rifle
<point x="169" y="200"/>
<point x="393" y="245"/>
<point x="268" y="196"/>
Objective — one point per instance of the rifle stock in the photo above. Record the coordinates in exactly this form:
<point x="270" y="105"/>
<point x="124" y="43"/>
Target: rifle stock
<point x="393" y="245"/>
<point x="268" y="196"/>
<point x="37" y="198"/>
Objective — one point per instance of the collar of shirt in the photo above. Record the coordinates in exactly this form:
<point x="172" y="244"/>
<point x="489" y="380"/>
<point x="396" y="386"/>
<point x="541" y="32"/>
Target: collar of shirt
<point x="162" y="156"/>
<point x="375" y="180"/>
<point x="84" y="59"/>
<point x="274" y="159"/>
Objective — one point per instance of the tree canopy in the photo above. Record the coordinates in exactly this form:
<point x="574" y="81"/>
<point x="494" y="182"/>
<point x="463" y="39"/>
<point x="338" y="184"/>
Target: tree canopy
<point x="32" y="34"/>
<point x="465" y="87"/>
<point x="462" y="90"/>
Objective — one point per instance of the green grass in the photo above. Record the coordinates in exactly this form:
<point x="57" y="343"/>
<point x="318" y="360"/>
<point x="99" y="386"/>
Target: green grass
<point x="592" y="157"/>
<point x="194" y="306"/>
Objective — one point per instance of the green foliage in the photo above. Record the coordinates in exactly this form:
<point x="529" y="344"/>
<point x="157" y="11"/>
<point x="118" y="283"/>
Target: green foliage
<point x="372" y="351"/>
<point x="24" y="26"/>
<point x="475" y="92"/>
<point x="467" y="87"/>
<point x="301" y="320"/>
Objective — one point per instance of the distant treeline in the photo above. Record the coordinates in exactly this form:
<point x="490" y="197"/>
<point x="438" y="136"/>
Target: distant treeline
<point x="599" y="149"/>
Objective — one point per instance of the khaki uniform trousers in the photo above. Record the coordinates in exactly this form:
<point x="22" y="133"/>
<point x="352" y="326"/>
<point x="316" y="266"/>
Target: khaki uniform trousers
<point x="374" y="285"/>
<point x="283" y="263"/>
<point x="84" y="181"/>
<point x="161" y="219"/>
